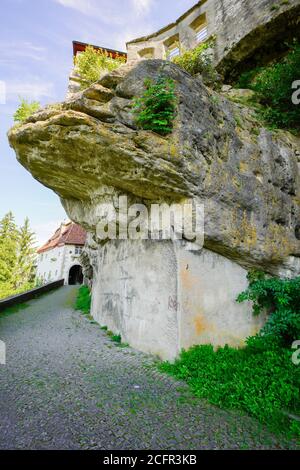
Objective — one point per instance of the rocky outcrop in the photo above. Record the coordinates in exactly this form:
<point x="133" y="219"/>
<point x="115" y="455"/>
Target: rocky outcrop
<point x="88" y="151"/>
<point x="162" y="296"/>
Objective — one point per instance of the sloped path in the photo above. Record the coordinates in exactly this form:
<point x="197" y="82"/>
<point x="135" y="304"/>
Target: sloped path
<point x="67" y="386"/>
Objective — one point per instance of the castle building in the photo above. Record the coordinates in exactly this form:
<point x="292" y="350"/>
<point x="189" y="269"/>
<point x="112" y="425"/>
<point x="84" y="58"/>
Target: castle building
<point x="245" y="33"/>
<point x="59" y="257"/>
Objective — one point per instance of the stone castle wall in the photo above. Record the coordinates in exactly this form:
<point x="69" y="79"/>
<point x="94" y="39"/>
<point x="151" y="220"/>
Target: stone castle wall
<point x="241" y="27"/>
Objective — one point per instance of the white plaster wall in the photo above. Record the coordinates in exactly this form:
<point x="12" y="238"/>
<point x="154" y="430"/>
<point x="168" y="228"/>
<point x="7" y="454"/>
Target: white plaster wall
<point x="208" y="285"/>
<point x="55" y="264"/>
<point x="49" y="265"/>
<point x="131" y="292"/>
<point x="161" y="297"/>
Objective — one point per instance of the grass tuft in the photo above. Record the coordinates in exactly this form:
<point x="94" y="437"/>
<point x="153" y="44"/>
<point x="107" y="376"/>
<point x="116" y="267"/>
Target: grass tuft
<point x="83" y="301"/>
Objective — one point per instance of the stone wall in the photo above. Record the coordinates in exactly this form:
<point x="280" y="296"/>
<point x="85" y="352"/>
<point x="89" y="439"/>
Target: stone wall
<point x="242" y="28"/>
<point x="162" y="297"/>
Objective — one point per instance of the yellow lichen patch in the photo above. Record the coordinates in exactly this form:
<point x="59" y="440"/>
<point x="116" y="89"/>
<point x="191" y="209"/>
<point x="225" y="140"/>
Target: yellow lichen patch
<point x="276" y="242"/>
<point x="250" y="232"/>
<point x="243" y="232"/>
<point x="244" y="167"/>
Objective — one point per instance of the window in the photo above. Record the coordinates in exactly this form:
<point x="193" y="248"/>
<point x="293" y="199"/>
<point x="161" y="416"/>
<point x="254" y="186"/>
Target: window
<point x="147" y="53"/>
<point x="173" y="53"/>
<point x="202" y="34"/>
<point x="172" y="47"/>
<point x="78" y="250"/>
<point x="199" y="25"/>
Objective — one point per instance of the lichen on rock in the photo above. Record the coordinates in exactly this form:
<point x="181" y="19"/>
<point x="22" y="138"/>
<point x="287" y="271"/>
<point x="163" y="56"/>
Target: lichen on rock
<point x="89" y="150"/>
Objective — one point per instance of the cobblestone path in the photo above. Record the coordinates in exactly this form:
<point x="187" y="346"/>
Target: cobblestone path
<point x="67" y="386"/>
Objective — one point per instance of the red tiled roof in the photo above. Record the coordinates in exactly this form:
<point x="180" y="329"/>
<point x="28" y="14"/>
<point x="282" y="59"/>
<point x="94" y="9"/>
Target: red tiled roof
<point x="68" y="234"/>
<point x="81" y="47"/>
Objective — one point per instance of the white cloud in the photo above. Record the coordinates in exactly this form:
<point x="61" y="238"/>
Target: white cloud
<point x="10" y="51"/>
<point x="44" y="231"/>
<point x="142" y="7"/>
<point x="109" y="11"/>
<point x="33" y="89"/>
<point x="86" y="7"/>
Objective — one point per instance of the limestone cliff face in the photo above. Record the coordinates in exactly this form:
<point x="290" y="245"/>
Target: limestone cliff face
<point x="88" y="150"/>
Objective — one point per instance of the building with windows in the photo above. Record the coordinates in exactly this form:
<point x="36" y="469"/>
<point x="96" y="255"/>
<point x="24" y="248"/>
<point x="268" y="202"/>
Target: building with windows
<point x="245" y="32"/>
<point x="59" y="258"/>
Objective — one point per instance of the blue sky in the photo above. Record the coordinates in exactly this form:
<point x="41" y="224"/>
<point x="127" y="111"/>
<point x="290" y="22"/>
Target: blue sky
<point x="35" y="60"/>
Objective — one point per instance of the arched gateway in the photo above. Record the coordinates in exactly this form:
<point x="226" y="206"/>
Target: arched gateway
<point x="75" y="275"/>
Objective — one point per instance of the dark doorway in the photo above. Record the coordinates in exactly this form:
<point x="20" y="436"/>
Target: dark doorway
<point x="75" y="275"/>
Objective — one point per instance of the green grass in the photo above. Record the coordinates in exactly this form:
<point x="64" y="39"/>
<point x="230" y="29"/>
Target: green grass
<point x="83" y="303"/>
<point x="116" y="339"/>
<point x="264" y="384"/>
<point x="83" y="300"/>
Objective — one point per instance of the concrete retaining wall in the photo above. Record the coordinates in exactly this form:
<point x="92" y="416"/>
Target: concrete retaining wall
<point x="162" y="297"/>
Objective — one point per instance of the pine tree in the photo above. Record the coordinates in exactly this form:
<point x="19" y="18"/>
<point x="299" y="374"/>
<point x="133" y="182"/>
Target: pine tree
<point x="24" y="273"/>
<point x="8" y="253"/>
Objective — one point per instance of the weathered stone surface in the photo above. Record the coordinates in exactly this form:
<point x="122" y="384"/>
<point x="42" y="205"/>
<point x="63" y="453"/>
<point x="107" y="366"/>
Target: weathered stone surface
<point x="162" y="296"/>
<point x="247" y="176"/>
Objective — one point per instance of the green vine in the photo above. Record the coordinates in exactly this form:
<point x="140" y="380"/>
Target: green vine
<point x="280" y="298"/>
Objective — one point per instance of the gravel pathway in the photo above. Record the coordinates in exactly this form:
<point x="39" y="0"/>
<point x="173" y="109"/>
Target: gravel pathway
<point x="67" y="386"/>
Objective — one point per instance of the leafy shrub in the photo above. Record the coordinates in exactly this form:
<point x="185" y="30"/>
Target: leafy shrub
<point x="198" y="60"/>
<point x="91" y="63"/>
<point x="25" y="110"/>
<point x="273" y="85"/>
<point x="83" y="301"/>
<point x="155" y="109"/>
<point x="263" y="384"/>
<point x="116" y="339"/>
<point x="281" y="299"/>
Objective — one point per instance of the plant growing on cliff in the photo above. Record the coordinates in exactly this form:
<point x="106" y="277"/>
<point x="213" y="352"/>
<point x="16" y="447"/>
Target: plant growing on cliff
<point x="91" y="63"/>
<point x="155" y="110"/>
<point x="25" y="110"/>
<point x="273" y="86"/>
<point x="199" y="60"/>
<point x="281" y="299"/>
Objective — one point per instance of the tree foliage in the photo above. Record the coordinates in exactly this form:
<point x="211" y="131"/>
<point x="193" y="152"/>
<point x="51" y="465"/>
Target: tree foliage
<point x="91" y="63"/>
<point x="25" y="110"/>
<point x="281" y="299"/>
<point x="17" y="256"/>
<point x="199" y="60"/>
<point x="273" y="86"/>
<point x="155" y="110"/>
<point x="8" y="248"/>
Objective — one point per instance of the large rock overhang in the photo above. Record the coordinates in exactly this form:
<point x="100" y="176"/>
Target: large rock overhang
<point x="88" y="148"/>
